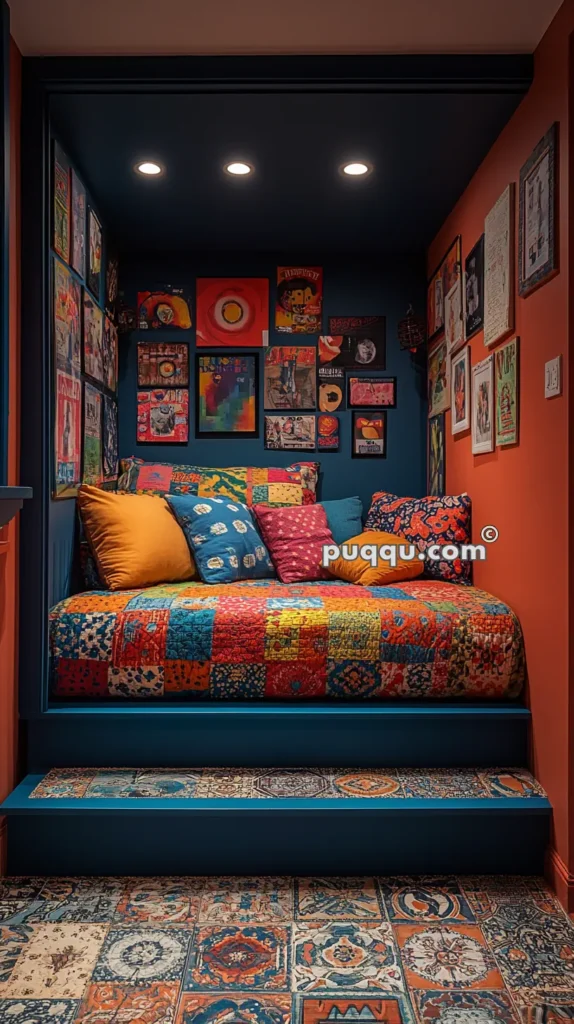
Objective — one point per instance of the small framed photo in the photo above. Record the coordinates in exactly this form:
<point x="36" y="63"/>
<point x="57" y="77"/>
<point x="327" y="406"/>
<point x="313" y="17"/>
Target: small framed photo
<point x="474" y="290"/>
<point x="163" y="364"/>
<point x="227" y="400"/>
<point x="460" y="391"/>
<point x="435" y="463"/>
<point x="537" y="238"/>
<point x="371" y="392"/>
<point x="292" y="433"/>
<point x="507" y="403"/>
<point x="483" y="407"/>
<point x="369" y="435"/>
<point x="447" y="274"/>
<point x="438" y="378"/>
<point x="163" y="416"/>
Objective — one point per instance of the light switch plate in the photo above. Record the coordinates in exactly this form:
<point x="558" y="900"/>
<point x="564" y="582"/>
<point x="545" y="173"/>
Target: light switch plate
<point x="553" y="377"/>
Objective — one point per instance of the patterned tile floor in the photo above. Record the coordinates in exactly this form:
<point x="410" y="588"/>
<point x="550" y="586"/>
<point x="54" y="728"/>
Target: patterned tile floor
<point x="480" y="950"/>
<point x="268" y="783"/>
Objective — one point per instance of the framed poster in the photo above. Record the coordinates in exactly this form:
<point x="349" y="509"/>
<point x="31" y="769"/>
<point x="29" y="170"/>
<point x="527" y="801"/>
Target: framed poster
<point x="369" y="435"/>
<point x="61" y="203"/>
<point x="482" y="407"/>
<point x="92" y="459"/>
<point x="67" y="320"/>
<point x="67" y="436"/>
<point x="453" y="318"/>
<point x="163" y="416"/>
<point x="110" y="460"/>
<point x="110" y="355"/>
<point x="93" y="339"/>
<point x="507" y="402"/>
<point x="94" y="253"/>
<point x="226" y="401"/>
<point x="290" y="377"/>
<point x="299" y="304"/>
<point x="112" y="292"/>
<point x="446" y="275"/>
<point x="460" y="394"/>
<point x="355" y="343"/>
<point x="537" y="237"/>
<point x="163" y="363"/>
<point x="436" y="456"/>
<point x="328" y="433"/>
<point x="290" y="433"/>
<point x="474" y="289"/>
<point x="438" y="378"/>
<point x="331" y="381"/>
<point x="371" y="392"/>
<point x="232" y="312"/>
<point x="499" y="268"/>
<point x="78" y="251"/>
<point x="165" y="307"/>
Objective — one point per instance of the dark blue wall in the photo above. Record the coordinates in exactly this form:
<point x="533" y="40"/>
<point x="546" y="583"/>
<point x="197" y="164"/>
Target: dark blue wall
<point x="351" y="288"/>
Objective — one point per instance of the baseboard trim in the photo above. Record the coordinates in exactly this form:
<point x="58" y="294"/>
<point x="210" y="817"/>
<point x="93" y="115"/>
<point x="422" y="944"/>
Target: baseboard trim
<point x="560" y="878"/>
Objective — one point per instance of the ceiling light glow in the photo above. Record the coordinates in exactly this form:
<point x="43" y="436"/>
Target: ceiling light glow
<point x="238" y="167"/>
<point x="355" y="169"/>
<point x="149" y="167"/>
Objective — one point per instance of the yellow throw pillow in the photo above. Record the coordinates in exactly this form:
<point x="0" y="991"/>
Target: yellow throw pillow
<point x="360" y="570"/>
<point x="135" y="539"/>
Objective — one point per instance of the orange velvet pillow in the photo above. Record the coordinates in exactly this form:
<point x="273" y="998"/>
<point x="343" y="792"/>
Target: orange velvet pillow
<point x="360" y="570"/>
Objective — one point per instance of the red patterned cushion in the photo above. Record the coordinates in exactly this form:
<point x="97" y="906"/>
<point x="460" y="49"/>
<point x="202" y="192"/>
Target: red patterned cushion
<point x="427" y="521"/>
<point x="295" y="538"/>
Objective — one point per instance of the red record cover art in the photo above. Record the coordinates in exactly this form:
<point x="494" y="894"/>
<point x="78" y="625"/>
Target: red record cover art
<point x="232" y="311"/>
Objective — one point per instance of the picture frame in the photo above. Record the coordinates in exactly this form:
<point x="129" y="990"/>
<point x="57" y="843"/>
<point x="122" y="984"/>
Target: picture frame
<point x="164" y="308"/>
<point x="110" y="355"/>
<point x="290" y="433"/>
<point x="66" y="319"/>
<point x="537" y="215"/>
<point x="78" y="233"/>
<point x="112" y="286"/>
<point x="440" y="284"/>
<point x="92" y="472"/>
<point x="110" y="439"/>
<point x="483" y="412"/>
<point x="453" y="318"/>
<point x="226" y="395"/>
<point x="61" y="202"/>
<point x="354" y="343"/>
<point x="436" y="456"/>
<point x="163" y="416"/>
<point x="369" y="435"/>
<point x="232" y="312"/>
<point x="460" y="391"/>
<point x="506" y="374"/>
<point x="438" y="378"/>
<point x="93" y="339"/>
<point x="371" y="392"/>
<point x="474" y="290"/>
<point x="67" y="436"/>
<point x="330" y="388"/>
<point x="162" y="364"/>
<point x="328" y="432"/>
<point x="499" y="268"/>
<point x="290" y="378"/>
<point x="299" y="300"/>
<point x="94" y="278"/>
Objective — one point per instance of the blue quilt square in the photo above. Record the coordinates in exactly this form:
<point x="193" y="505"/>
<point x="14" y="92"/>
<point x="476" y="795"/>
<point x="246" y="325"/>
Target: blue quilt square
<point x="406" y="654"/>
<point x="189" y="634"/>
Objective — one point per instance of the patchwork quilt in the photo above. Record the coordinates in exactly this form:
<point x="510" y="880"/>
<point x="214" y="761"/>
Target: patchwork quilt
<point x="263" y="639"/>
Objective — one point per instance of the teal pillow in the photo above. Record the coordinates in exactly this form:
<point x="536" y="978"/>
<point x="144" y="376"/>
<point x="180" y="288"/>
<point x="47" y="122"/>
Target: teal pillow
<point x="345" y="518"/>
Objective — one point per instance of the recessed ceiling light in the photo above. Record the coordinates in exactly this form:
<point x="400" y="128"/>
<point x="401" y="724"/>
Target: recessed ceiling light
<point x="355" y="169"/>
<point x="149" y="167"/>
<point x="238" y="167"/>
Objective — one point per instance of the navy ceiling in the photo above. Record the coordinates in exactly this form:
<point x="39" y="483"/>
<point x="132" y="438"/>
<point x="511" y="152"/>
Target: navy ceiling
<point x="425" y="147"/>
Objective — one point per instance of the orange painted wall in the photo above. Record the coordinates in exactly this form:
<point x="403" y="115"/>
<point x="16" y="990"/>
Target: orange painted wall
<point x="9" y="535"/>
<point x="524" y="490"/>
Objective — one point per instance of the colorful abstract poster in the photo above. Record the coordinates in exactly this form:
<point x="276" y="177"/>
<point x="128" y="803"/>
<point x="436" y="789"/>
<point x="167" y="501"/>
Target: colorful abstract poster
<point x="355" y="343"/>
<point x="67" y="320"/>
<point x="61" y="199"/>
<point x="112" y="274"/>
<point x="95" y="253"/>
<point x="331" y="380"/>
<point x="78" y="254"/>
<point x="436" y="450"/>
<point x="165" y="308"/>
<point x="92" y="463"/>
<point x="290" y="377"/>
<point x="369" y="434"/>
<point x="328" y="433"/>
<point x="162" y="363"/>
<point x="110" y="461"/>
<point x="372" y="392"/>
<point x="438" y="378"/>
<point x="290" y="433"/>
<point x="110" y="355"/>
<point x="232" y="311"/>
<point x="447" y="274"/>
<point x="299" y="305"/>
<point x="460" y="391"/>
<point x="67" y="439"/>
<point x="506" y="374"/>
<point x="93" y="339"/>
<point x="163" y="416"/>
<point x="483" y="410"/>
<point x="226" y="395"/>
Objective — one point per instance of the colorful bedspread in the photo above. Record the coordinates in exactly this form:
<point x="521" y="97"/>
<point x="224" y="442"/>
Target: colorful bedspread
<point x="264" y="639"/>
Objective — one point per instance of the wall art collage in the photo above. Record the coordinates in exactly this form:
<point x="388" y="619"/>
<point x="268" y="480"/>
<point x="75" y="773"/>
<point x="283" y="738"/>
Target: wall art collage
<point x="84" y="337"/>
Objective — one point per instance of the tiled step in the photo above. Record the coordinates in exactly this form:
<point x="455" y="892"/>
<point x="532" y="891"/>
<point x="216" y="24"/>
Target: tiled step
<point x="268" y="821"/>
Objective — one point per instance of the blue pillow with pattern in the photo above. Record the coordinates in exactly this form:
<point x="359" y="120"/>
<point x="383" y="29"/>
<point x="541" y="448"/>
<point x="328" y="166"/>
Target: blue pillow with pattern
<point x="223" y="538"/>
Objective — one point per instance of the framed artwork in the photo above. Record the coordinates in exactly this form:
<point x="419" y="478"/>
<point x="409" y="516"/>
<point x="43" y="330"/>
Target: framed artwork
<point x="110" y="460"/>
<point x="67" y="435"/>
<point x="67" y="320"/>
<point x="446" y="275"/>
<point x="328" y="433"/>
<point x="354" y="342"/>
<point x="482" y="407"/>
<point x="290" y="377"/>
<point x="453" y="318"/>
<point x="331" y="382"/>
<point x="93" y="339"/>
<point x="438" y="378"/>
<point x="163" y="416"/>
<point x="460" y="394"/>
<point x="112" y="292"/>
<point x="537" y="237"/>
<point x="163" y="363"/>
<point x="110" y="355"/>
<point x="166" y="307"/>
<point x="436" y="452"/>
<point x="78" y="253"/>
<point x="232" y="312"/>
<point x="290" y="433"/>
<point x="371" y="392"/>
<point x="507" y="402"/>
<point x="474" y="290"/>
<point x="499" y="268"/>
<point x="61" y="203"/>
<point x="226" y="403"/>
<point x="94" y="253"/>
<point x="92" y="459"/>
<point x="369" y="435"/>
<point x="299" y="305"/>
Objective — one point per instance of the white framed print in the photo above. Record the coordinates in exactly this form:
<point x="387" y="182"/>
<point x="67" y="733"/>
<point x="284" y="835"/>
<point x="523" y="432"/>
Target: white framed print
<point x="482" y="412"/>
<point x="460" y="391"/>
<point x="499" y="268"/>
<point x="438" y="378"/>
<point x="453" y="317"/>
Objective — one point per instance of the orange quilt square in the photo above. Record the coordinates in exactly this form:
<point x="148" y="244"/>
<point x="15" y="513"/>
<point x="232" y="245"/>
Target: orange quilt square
<point x="446" y="956"/>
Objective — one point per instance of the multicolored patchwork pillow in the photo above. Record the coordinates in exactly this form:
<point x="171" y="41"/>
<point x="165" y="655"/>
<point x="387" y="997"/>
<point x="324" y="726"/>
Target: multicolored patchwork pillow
<point x="222" y="537"/>
<point x="251" y="485"/>
<point x="295" y="538"/>
<point x="424" y="522"/>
